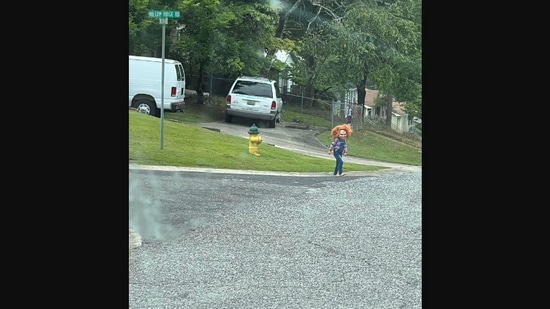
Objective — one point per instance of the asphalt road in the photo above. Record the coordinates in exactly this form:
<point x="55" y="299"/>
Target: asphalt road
<point x="234" y="239"/>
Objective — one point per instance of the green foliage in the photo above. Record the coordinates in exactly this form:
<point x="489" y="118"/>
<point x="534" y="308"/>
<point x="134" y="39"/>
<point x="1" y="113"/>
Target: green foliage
<point x="335" y="44"/>
<point x="402" y="77"/>
<point x="380" y="101"/>
<point x="414" y="109"/>
<point x="194" y="46"/>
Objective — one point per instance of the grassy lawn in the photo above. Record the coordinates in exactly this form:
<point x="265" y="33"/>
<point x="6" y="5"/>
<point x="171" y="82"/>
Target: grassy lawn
<point x="363" y="143"/>
<point x="217" y="150"/>
<point x="373" y="146"/>
<point x="193" y="146"/>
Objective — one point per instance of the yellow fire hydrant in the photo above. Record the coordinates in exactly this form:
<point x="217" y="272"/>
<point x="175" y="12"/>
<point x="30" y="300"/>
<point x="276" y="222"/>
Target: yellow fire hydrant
<point x="254" y="139"/>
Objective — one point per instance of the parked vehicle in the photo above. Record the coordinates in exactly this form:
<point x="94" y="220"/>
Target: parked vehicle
<point x="145" y="84"/>
<point x="254" y="98"/>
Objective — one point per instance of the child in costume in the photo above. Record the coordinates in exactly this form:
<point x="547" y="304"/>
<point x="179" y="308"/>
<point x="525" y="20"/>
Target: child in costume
<point x="339" y="147"/>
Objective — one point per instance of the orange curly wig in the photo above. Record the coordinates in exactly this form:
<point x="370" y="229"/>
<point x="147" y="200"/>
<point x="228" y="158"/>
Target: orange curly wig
<point x="336" y="130"/>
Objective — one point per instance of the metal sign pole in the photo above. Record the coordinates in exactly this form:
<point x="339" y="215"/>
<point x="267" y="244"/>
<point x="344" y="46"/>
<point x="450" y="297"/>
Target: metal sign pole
<point x="163" y="21"/>
<point x="163" y="18"/>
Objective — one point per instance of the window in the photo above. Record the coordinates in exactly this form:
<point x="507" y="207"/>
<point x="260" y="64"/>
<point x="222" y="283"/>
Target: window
<point x="253" y="88"/>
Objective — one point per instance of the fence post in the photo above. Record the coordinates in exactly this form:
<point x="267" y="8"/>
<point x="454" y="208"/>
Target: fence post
<point x="302" y="108"/>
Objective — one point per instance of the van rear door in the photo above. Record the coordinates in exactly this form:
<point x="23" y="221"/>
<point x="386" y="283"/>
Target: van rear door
<point x="181" y="79"/>
<point x="174" y="81"/>
<point x="174" y="85"/>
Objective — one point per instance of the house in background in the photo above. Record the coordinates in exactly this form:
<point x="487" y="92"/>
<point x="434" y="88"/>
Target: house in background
<point x="400" y="120"/>
<point x="370" y="105"/>
<point x="285" y="83"/>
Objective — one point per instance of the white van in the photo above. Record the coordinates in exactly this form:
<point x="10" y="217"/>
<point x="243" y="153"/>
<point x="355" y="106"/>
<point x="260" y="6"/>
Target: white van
<point x="144" y="88"/>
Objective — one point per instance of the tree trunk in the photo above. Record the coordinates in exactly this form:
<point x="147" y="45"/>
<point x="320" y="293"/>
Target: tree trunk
<point x="389" y="109"/>
<point x="200" y="96"/>
<point x="309" y="94"/>
<point x="361" y="94"/>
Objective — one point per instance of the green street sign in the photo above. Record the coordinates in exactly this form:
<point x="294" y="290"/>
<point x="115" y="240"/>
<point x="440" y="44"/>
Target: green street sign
<point x="164" y="14"/>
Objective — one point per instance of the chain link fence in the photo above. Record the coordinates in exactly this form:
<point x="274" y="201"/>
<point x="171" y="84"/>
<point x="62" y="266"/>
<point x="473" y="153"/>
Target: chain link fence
<point x="328" y="108"/>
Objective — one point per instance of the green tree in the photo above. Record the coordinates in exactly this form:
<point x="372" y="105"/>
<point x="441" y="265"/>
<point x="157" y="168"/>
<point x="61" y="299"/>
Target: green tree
<point x="380" y="42"/>
<point x="145" y="33"/>
<point x="138" y="23"/>
<point x="332" y="42"/>
<point x="402" y="77"/>
<point x="195" y="37"/>
<point x="247" y="36"/>
<point x="312" y="28"/>
<point x="228" y="37"/>
<point x="280" y="39"/>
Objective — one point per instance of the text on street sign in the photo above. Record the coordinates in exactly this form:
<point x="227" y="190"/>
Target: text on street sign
<point x="164" y="14"/>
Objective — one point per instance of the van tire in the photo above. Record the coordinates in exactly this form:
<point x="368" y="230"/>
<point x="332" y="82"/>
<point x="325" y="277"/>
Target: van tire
<point x="272" y="122"/>
<point x="146" y="107"/>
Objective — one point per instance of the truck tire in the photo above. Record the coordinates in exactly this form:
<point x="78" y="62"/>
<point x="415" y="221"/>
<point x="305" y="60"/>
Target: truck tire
<point x="227" y="117"/>
<point x="146" y="107"/>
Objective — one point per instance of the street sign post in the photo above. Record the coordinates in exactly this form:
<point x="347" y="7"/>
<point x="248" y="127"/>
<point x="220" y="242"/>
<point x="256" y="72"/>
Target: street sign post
<point x="163" y="18"/>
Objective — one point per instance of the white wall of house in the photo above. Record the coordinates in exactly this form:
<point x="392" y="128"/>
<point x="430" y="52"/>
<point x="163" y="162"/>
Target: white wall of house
<point x="285" y="84"/>
<point x="368" y="111"/>
<point x="400" y="123"/>
<point x="350" y="96"/>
